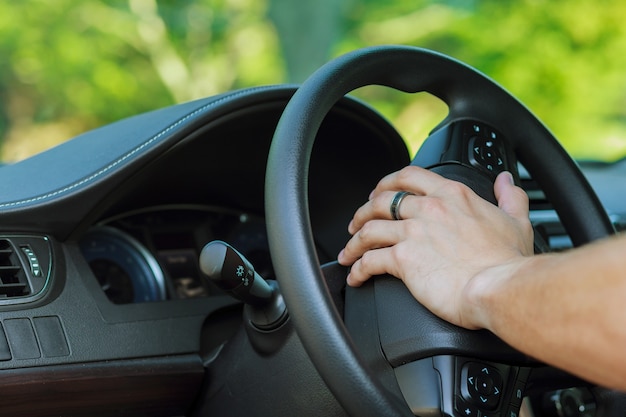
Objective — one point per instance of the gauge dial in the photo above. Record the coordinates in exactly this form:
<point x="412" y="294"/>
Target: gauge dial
<point x="125" y="269"/>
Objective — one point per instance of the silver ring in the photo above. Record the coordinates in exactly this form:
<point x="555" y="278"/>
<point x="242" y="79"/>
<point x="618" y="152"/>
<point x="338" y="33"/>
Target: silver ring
<point x="395" y="204"/>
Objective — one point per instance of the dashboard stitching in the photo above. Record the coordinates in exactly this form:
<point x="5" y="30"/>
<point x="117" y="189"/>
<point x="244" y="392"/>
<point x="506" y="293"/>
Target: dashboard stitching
<point x="132" y="152"/>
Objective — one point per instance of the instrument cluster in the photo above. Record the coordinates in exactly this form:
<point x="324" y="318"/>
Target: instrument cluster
<point x="152" y="254"/>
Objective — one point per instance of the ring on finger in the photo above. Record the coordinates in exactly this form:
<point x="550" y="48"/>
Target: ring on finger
<point x="395" y="204"/>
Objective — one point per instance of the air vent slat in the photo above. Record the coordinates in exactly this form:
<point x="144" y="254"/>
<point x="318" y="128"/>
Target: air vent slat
<point x="542" y="214"/>
<point x="13" y="279"/>
<point x="13" y="290"/>
<point x="9" y="274"/>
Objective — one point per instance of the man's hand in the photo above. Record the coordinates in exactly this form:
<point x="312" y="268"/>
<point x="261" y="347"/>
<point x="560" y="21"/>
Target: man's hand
<point x="448" y="235"/>
<point x="469" y="262"/>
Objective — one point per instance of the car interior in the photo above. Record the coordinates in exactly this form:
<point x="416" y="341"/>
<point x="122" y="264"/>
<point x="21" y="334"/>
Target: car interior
<point x="182" y="262"/>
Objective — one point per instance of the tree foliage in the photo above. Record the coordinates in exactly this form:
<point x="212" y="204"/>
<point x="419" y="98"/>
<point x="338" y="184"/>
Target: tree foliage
<point x="71" y="65"/>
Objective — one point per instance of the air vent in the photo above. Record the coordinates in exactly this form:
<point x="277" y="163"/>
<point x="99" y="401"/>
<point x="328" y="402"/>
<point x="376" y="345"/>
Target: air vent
<point x="542" y="214"/>
<point x="536" y="196"/>
<point x="546" y="220"/>
<point x="549" y="226"/>
<point x="13" y="278"/>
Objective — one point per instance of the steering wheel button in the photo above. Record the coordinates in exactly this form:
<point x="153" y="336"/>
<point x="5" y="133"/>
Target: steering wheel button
<point x="488" y="402"/>
<point x="486" y="153"/>
<point x="512" y="412"/>
<point x="465" y="409"/>
<point x="484" y="385"/>
<point x="518" y="393"/>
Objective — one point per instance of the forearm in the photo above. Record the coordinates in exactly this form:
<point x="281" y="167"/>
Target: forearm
<point x="566" y="309"/>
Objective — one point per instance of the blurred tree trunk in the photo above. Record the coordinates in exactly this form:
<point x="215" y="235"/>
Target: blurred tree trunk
<point x="307" y="30"/>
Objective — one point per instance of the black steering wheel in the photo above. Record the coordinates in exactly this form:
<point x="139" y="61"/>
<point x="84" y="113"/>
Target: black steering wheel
<point x="476" y="102"/>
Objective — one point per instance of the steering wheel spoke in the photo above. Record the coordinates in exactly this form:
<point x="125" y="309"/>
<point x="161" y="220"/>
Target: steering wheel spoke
<point x="463" y="387"/>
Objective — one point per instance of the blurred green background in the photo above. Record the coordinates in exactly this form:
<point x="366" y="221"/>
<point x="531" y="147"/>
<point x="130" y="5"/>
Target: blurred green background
<point x="70" y="65"/>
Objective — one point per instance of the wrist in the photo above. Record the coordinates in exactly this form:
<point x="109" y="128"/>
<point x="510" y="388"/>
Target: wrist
<point x="485" y="295"/>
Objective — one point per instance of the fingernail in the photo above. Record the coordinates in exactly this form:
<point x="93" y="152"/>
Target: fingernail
<point x="348" y="280"/>
<point x="509" y="177"/>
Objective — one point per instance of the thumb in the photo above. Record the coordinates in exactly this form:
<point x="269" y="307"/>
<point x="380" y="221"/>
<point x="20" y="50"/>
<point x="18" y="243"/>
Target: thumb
<point x="511" y="199"/>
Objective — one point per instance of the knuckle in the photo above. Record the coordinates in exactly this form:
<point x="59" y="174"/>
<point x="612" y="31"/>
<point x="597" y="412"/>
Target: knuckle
<point x="407" y="174"/>
<point x="381" y="205"/>
<point x="410" y="226"/>
<point x="366" y="232"/>
<point x="397" y="254"/>
<point x="401" y="254"/>
<point x="432" y="205"/>
<point x="350" y="252"/>
<point x="458" y="188"/>
<point x="366" y="262"/>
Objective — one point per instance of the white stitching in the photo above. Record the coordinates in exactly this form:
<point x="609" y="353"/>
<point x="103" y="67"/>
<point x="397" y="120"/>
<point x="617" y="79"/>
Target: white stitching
<point x="132" y="152"/>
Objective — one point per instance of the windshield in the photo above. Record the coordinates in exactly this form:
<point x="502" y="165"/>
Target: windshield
<point x="69" y="65"/>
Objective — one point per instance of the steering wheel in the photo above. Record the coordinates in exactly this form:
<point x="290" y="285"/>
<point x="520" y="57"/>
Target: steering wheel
<point x="475" y="102"/>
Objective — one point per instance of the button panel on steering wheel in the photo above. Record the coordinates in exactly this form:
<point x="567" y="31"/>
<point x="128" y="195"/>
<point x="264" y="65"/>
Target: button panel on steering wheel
<point x="481" y="384"/>
<point x="462" y="387"/>
<point x="470" y="152"/>
<point x="466" y="142"/>
<point x="486" y="154"/>
<point x="486" y="389"/>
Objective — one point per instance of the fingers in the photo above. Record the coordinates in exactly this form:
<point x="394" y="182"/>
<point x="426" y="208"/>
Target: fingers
<point x="373" y="262"/>
<point x="438" y="207"/>
<point x="378" y="207"/>
<point x="511" y="199"/>
<point x="417" y="180"/>
<point x="413" y="179"/>
<point x="373" y="235"/>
